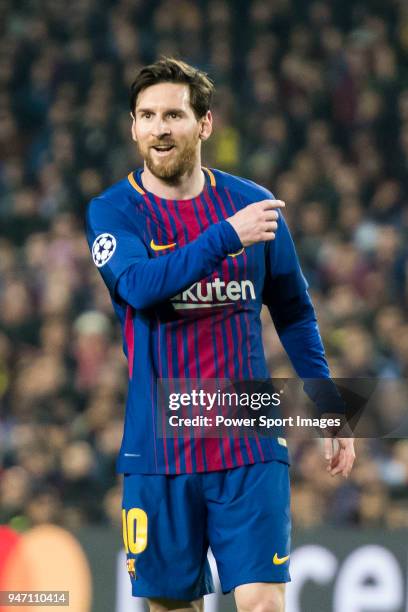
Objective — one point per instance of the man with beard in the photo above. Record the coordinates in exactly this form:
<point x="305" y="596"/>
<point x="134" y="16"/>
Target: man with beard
<point x="189" y="255"/>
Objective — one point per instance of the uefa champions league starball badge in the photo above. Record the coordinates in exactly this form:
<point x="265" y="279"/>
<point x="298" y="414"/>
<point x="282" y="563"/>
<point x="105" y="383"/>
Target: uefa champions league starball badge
<point x="103" y="248"/>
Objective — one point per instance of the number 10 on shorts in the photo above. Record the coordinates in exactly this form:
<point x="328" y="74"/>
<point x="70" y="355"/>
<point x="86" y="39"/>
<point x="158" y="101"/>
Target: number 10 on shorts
<point x="134" y="523"/>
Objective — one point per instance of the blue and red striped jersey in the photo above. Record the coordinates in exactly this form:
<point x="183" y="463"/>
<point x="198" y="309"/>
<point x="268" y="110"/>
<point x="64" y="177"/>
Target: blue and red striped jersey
<point x="189" y="297"/>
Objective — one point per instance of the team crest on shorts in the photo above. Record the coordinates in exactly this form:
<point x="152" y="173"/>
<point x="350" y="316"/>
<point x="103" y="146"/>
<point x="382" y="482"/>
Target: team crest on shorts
<point x="131" y="568"/>
<point x="103" y="248"/>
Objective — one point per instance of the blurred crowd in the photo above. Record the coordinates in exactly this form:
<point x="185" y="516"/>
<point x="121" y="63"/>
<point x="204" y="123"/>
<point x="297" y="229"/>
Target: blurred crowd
<point x="312" y="102"/>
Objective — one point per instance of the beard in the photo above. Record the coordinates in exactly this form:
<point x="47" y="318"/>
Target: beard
<point x="182" y="161"/>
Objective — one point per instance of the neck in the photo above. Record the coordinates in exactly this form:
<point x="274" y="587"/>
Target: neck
<point x="187" y="187"/>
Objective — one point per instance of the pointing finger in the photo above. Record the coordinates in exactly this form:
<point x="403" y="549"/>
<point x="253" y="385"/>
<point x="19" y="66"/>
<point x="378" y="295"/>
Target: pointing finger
<point x="272" y="204"/>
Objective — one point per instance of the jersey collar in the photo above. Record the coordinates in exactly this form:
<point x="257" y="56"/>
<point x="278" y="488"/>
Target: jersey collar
<point x="135" y="180"/>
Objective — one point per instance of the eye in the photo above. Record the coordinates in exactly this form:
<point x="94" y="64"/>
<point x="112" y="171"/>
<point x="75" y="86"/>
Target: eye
<point x="146" y="115"/>
<point x="174" y="115"/>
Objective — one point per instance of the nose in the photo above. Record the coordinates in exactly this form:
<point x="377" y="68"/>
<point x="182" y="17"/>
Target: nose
<point x="160" y="128"/>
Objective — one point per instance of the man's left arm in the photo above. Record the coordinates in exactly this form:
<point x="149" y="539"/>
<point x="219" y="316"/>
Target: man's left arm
<point x="285" y="294"/>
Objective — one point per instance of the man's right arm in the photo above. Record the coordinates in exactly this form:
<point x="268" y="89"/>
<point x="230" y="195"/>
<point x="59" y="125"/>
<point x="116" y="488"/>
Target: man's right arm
<point x="141" y="281"/>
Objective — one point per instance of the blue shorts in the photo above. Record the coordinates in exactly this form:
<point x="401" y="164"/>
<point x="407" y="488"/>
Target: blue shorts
<point x="170" y="521"/>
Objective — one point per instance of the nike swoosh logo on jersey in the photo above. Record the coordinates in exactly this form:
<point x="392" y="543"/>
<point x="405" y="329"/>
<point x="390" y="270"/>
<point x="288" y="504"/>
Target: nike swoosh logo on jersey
<point x="279" y="560"/>
<point x="237" y="253"/>
<point x="161" y="247"/>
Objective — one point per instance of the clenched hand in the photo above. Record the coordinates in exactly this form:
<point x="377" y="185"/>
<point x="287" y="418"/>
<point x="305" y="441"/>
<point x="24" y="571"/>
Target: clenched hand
<point x="257" y="222"/>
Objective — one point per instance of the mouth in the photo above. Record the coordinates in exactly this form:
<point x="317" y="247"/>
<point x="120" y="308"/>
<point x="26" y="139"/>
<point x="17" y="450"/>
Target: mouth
<point x="163" y="150"/>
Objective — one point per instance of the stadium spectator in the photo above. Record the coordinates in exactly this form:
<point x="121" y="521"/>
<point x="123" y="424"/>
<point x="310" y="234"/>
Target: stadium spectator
<point x="312" y="103"/>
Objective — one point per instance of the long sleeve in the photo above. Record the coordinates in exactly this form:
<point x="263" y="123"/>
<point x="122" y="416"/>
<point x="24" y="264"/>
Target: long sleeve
<point x="139" y="280"/>
<point x="286" y="295"/>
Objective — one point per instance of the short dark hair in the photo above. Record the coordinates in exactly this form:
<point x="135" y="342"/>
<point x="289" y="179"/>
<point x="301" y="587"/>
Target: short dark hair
<point x="171" y="70"/>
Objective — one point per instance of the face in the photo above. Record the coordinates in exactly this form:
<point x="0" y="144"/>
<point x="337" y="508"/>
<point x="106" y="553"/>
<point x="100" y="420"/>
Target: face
<point x="167" y="132"/>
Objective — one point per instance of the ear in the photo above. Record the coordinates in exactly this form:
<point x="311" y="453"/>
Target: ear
<point x="133" y="128"/>
<point x="206" y="123"/>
